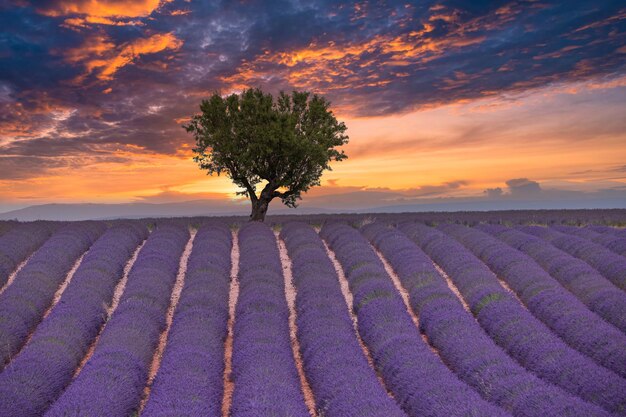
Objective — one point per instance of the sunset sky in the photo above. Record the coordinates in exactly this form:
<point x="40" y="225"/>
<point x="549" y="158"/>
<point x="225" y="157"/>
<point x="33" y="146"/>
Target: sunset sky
<point x="442" y="99"/>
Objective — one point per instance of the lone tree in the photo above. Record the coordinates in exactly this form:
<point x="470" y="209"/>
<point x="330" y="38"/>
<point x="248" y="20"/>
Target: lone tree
<point x="285" y="143"/>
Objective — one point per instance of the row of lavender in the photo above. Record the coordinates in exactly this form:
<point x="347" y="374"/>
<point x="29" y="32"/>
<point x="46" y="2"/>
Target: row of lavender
<point x="546" y="298"/>
<point x="420" y="381"/>
<point x="598" y="293"/>
<point x="190" y="375"/>
<point x="341" y="379"/>
<point x="18" y="243"/>
<point x="608" y="238"/>
<point x="263" y="366"/>
<point x="24" y="302"/>
<point x="463" y="340"/>
<point x="516" y="330"/>
<point x="46" y="365"/>
<point x="113" y="379"/>
<point x="608" y="263"/>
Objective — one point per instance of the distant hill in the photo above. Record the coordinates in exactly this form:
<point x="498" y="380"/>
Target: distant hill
<point x="350" y="202"/>
<point x="134" y="210"/>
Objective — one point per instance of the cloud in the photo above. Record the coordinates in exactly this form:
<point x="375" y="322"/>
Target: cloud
<point x="101" y="57"/>
<point x="494" y="192"/>
<point x="435" y="190"/>
<point x="523" y="187"/>
<point x="107" y="12"/>
<point x="516" y="188"/>
<point x="83" y="77"/>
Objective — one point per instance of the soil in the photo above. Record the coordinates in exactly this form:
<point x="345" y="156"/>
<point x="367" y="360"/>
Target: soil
<point x="169" y="316"/>
<point x="229" y="385"/>
<point x="290" y="294"/>
<point x="117" y="294"/>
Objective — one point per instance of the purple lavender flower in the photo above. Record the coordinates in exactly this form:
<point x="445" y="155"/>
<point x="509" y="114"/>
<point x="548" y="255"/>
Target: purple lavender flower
<point x="470" y="352"/>
<point x="609" y="264"/>
<point x="24" y="302"/>
<point x="342" y="381"/>
<point x="112" y="380"/>
<point x="587" y="284"/>
<point x="263" y="370"/>
<point x="38" y="375"/>
<point x="190" y="377"/>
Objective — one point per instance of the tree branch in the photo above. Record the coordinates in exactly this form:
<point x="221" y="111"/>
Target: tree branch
<point x="283" y="194"/>
<point x="234" y="173"/>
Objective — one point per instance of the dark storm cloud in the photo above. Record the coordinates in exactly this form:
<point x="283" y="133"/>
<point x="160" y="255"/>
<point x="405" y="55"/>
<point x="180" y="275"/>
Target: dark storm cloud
<point x="75" y="78"/>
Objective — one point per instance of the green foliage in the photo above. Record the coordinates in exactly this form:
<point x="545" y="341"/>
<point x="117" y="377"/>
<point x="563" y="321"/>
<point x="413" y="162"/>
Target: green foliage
<point x="486" y="300"/>
<point x="253" y="138"/>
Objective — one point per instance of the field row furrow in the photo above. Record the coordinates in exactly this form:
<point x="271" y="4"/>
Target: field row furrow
<point x="342" y="321"/>
<point x="349" y="301"/>
<point x="190" y="373"/>
<point x="420" y="382"/>
<point x="233" y="295"/>
<point x="566" y="316"/>
<point x="290" y="294"/>
<point x="609" y="264"/>
<point x="587" y="284"/>
<point x="46" y="365"/>
<point x="515" y="330"/>
<point x="25" y="301"/>
<point x="119" y="366"/>
<point x="342" y="381"/>
<point x="17" y="244"/>
<point x="264" y="373"/>
<point x="157" y="356"/>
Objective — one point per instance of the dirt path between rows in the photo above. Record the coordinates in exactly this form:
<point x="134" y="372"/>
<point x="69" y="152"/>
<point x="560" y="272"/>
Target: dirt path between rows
<point x="452" y="287"/>
<point x="229" y="385"/>
<point x="347" y="295"/>
<point x="117" y="294"/>
<point x="290" y="294"/>
<point x="169" y="317"/>
<point x="405" y="298"/>
<point x="13" y="274"/>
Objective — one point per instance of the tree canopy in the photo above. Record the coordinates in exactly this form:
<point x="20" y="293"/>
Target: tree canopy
<point x="284" y="143"/>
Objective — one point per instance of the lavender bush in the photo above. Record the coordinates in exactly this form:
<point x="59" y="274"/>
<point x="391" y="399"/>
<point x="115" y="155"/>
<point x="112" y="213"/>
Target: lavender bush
<point x="609" y="240"/>
<point x="190" y="377"/>
<point x="610" y="265"/>
<point x="263" y="370"/>
<point x="18" y="243"/>
<point x="563" y="313"/>
<point x="37" y="376"/>
<point x="420" y="382"/>
<point x="473" y="355"/>
<point x="24" y="302"/>
<point x="112" y="380"/>
<point x="529" y="341"/>
<point x="607" y="230"/>
<point x="587" y="284"/>
<point x="341" y="379"/>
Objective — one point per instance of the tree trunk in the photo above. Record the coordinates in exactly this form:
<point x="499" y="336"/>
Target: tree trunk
<point x="259" y="209"/>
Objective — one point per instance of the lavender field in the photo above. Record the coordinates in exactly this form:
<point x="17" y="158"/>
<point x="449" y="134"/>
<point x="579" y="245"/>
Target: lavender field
<point x="471" y="314"/>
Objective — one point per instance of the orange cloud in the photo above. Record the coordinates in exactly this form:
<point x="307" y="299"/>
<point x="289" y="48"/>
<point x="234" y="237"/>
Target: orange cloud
<point x="106" y="12"/>
<point x="99" y="55"/>
<point x="180" y="12"/>
<point x="327" y="67"/>
<point x="79" y="22"/>
<point x="102" y="8"/>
